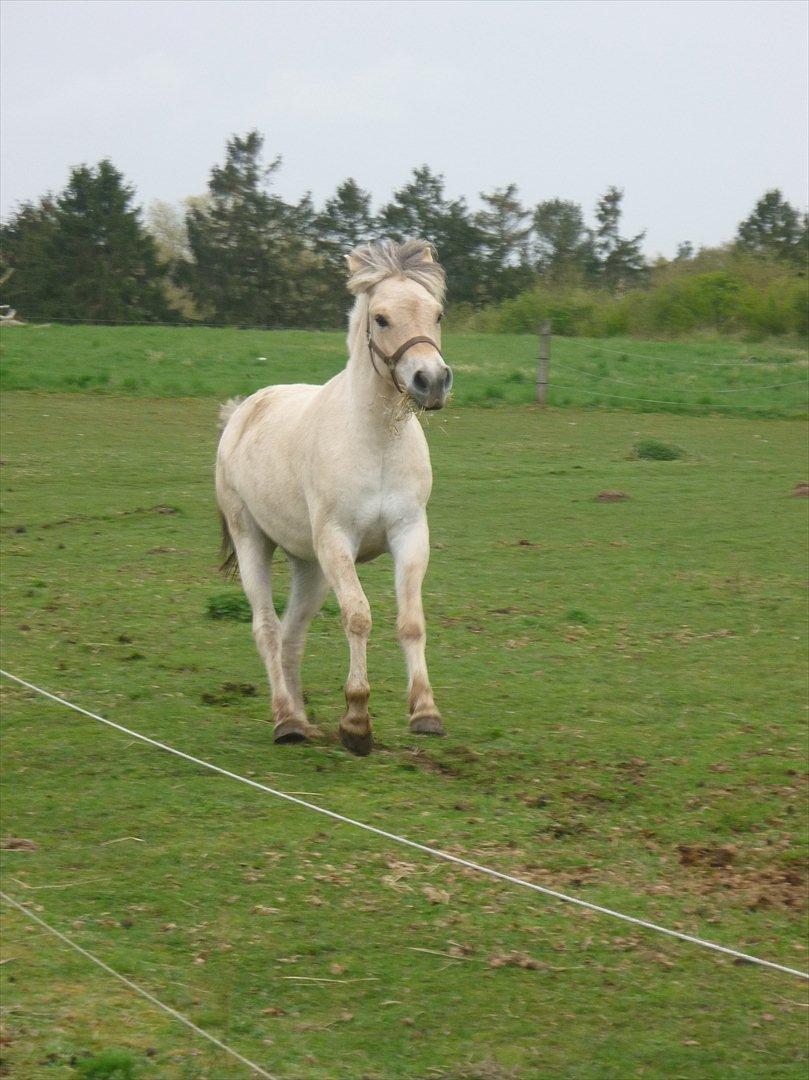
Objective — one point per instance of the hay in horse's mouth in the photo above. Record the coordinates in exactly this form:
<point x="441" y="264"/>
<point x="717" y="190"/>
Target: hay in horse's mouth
<point x="405" y="406"/>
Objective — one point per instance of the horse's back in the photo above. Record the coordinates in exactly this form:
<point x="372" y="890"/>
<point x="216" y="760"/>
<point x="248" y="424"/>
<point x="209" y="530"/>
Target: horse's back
<point x="271" y="410"/>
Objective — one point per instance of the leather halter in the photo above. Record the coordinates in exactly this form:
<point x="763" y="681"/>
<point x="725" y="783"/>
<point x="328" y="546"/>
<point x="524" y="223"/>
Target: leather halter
<point x="391" y="361"/>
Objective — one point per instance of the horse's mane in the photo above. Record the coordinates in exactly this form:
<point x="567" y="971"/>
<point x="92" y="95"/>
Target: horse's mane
<point x="414" y="259"/>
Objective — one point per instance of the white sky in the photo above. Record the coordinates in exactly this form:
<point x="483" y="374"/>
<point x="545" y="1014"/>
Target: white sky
<point x="694" y="107"/>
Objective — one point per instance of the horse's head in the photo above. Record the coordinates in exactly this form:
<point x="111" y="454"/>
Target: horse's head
<point x="404" y="290"/>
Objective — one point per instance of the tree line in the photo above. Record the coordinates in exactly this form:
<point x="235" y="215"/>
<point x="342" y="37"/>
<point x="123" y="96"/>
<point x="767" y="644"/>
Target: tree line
<point x="242" y="255"/>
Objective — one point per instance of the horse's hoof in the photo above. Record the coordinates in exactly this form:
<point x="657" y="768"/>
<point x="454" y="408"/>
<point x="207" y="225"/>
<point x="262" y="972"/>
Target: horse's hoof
<point x="359" y="743"/>
<point x="291" y="730"/>
<point x="427" y="725"/>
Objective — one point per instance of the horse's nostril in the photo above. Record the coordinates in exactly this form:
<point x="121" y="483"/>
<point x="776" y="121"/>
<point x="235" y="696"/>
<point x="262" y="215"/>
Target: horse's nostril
<point x="420" y="382"/>
<point x="448" y="378"/>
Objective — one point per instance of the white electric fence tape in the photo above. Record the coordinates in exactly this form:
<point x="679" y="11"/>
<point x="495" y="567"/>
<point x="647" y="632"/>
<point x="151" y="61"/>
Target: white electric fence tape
<point x="436" y="852"/>
<point x="139" y="989"/>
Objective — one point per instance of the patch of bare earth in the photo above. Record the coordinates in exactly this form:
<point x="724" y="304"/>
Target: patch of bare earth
<point x="720" y="867"/>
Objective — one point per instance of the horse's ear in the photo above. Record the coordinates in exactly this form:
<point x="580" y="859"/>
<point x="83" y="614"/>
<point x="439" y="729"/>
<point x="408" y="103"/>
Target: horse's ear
<point x="427" y="254"/>
<point x="353" y="263"/>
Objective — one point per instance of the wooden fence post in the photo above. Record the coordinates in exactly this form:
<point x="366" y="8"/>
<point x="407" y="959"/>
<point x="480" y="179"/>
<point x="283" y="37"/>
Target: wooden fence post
<point x="543" y="368"/>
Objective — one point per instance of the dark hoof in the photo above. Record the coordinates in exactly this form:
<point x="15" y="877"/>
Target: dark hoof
<point x="427" y="725"/>
<point x="291" y="730"/>
<point x="359" y="743"/>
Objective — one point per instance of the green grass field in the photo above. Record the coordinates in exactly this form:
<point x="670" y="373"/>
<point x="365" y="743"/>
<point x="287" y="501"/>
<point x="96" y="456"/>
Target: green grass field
<point x="625" y="693"/>
<point x="695" y="378"/>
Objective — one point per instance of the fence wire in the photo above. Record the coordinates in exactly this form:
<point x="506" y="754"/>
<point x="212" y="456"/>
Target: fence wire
<point x="427" y="849"/>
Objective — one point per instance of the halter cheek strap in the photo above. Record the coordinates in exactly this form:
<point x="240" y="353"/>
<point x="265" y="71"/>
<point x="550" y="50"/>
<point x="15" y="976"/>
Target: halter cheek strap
<point x="391" y="361"/>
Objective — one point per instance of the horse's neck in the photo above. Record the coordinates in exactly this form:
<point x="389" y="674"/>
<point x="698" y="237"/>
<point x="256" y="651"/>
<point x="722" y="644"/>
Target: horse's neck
<point x="371" y="389"/>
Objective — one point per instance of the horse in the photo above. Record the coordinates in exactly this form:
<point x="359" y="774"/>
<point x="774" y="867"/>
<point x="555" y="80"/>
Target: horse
<point x="335" y="475"/>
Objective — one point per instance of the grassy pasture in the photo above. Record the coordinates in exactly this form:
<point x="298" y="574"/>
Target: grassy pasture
<point x="723" y="376"/>
<point x="624" y="688"/>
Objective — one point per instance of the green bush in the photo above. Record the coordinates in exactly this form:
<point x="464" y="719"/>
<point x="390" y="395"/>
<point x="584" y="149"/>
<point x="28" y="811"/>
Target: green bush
<point x="235" y="605"/>
<point x="719" y="291"/>
<point x="569" y="311"/>
<point x="229" y="605"/>
<point x="576" y="615"/>
<point x="108" y="1065"/>
<point x="655" y="450"/>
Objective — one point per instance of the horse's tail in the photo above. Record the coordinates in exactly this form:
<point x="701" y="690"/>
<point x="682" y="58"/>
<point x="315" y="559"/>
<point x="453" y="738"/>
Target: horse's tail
<point x="230" y="563"/>
<point x="227" y="550"/>
<point x="227" y="410"/>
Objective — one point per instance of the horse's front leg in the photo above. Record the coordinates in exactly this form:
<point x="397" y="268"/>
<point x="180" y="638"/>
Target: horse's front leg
<point x="410" y="547"/>
<point x="336" y="559"/>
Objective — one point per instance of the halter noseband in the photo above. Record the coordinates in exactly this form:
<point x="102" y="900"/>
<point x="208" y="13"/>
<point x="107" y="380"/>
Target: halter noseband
<point x="390" y="362"/>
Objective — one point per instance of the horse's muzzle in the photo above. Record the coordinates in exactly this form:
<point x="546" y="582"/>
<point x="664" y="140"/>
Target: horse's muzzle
<point x="430" y="388"/>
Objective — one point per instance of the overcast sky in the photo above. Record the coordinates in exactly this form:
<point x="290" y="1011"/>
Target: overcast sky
<point x="694" y="108"/>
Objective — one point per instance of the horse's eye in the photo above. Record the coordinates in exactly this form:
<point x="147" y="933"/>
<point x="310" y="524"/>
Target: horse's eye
<point x="440" y="316"/>
<point x="381" y="320"/>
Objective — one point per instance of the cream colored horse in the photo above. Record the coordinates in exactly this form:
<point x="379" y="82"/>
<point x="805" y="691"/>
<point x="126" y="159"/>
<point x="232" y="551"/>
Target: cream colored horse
<point x="335" y="475"/>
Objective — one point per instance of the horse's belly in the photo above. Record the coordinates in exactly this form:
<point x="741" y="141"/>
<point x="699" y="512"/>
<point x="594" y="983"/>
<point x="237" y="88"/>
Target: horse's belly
<point x="272" y="494"/>
<point x="289" y="530"/>
<point x="372" y="542"/>
<point x="292" y="531"/>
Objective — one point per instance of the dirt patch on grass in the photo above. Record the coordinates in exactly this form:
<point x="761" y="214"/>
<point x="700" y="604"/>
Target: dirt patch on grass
<point x="229" y="693"/>
<point x="515" y="959"/>
<point x="454" y="761"/>
<point x="706" y="855"/>
<point x="82" y="519"/>
<point x="721" y="866"/>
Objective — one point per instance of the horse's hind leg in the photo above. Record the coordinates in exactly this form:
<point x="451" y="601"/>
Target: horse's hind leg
<point x="309" y="589"/>
<point x="254" y="552"/>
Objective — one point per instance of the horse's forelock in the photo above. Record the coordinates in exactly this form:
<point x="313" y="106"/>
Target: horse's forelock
<point x="372" y="263"/>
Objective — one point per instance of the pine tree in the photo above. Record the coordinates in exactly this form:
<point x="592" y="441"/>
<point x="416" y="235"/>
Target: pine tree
<point x="777" y="229"/>
<point x="685" y="251"/>
<point x="563" y="245"/>
<point x="421" y="210"/>
<point x="85" y="254"/>
<point x="620" y="260"/>
<point x="345" y="222"/>
<point x="504" y="227"/>
<point x="24" y="263"/>
<point x="252" y="260"/>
